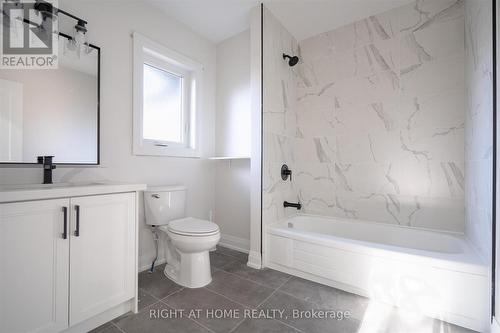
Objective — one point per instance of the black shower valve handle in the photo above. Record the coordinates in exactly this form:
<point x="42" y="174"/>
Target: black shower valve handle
<point x="286" y="172"/>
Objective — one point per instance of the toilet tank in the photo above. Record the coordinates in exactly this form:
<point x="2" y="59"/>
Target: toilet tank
<point x="163" y="204"/>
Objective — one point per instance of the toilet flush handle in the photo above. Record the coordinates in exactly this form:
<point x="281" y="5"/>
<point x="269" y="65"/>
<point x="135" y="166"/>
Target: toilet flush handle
<point x="156" y="196"/>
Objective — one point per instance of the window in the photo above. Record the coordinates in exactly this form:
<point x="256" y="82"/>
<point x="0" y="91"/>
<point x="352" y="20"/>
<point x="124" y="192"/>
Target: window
<point x="165" y="100"/>
<point x="162" y="105"/>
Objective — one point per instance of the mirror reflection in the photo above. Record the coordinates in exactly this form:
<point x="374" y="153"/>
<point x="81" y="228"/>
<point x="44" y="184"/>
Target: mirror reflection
<point x="52" y="112"/>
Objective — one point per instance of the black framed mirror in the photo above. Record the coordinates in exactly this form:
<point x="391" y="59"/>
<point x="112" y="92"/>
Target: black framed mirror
<point x="52" y="111"/>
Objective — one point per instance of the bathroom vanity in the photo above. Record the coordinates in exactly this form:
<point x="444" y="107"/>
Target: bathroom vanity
<point x="68" y="255"/>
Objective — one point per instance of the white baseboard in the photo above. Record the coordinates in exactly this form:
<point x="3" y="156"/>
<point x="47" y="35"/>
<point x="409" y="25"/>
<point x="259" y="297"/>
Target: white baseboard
<point x="254" y="260"/>
<point x="235" y="243"/>
<point x="146" y="267"/>
<point x="231" y="242"/>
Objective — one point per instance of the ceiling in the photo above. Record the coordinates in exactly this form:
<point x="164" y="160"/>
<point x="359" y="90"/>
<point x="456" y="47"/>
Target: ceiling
<point x="218" y="20"/>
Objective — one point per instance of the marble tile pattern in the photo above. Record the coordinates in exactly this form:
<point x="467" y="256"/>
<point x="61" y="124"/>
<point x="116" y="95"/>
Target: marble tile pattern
<point x="478" y="124"/>
<point x="372" y="119"/>
<point x="280" y="118"/>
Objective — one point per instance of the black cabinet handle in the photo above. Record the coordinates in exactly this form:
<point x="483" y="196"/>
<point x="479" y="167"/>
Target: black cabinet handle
<point x="77" y="230"/>
<point x="65" y="227"/>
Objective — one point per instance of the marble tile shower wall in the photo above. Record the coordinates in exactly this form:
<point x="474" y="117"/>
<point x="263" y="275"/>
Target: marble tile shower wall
<point x="279" y="118"/>
<point x="377" y="129"/>
<point x="478" y="124"/>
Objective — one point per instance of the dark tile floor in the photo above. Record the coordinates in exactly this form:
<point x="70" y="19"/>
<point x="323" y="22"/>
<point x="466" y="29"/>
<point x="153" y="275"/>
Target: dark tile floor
<point x="239" y="296"/>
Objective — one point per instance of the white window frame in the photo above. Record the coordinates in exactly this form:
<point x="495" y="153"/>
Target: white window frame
<point x="152" y="53"/>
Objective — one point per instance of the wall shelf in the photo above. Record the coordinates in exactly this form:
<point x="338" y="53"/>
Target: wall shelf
<point x="229" y="158"/>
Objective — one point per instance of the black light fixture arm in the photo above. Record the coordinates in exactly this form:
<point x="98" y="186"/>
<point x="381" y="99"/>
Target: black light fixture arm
<point x="44" y="6"/>
<point x="57" y="10"/>
<point x="41" y="4"/>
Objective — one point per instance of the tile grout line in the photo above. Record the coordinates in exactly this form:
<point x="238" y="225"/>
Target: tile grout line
<point x="315" y="302"/>
<point x="253" y="308"/>
<point x="149" y="294"/>
<point x="289" y="325"/>
<point x="117" y="327"/>
<point x="233" y="260"/>
<point x="163" y="300"/>
<point x="172" y="293"/>
<point x="133" y="314"/>
<point x="157" y="300"/>
<point x="247" y="279"/>
<point x="279" y="320"/>
<point x="150" y="305"/>
<point x="310" y="301"/>
<point x="194" y="320"/>
<point x="213" y="292"/>
<point x="302" y="300"/>
<point x="230" y="299"/>
<point x="237" y="325"/>
<point x="205" y="327"/>
<point x="244" y="278"/>
<point x="170" y="306"/>
<point x="274" y="291"/>
<point x="241" y="322"/>
<point x="278" y="288"/>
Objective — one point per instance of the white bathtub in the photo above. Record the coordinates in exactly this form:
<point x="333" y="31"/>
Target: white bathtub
<point x="434" y="273"/>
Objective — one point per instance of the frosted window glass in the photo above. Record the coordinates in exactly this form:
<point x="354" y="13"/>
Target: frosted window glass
<point x="162" y="108"/>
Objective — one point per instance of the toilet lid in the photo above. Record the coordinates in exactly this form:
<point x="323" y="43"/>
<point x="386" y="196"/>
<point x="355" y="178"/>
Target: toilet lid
<point x="192" y="226"/>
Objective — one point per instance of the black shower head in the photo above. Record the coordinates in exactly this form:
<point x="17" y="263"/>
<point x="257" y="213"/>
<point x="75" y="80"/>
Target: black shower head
<point x="292" y="60"/>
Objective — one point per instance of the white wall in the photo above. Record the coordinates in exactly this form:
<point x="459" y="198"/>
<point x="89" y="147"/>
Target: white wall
<point x="110" y="27"/>
<point x="232" y="202"/>
<point x="232" y="138"/>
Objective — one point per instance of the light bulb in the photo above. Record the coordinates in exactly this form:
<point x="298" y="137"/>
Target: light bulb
<point x="80" y="36"/>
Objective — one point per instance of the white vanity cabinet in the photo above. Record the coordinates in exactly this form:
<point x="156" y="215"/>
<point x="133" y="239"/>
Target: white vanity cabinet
<point x="67" y="264"/>
<point x="101" y="268"/>
<point x="34" y="267"/>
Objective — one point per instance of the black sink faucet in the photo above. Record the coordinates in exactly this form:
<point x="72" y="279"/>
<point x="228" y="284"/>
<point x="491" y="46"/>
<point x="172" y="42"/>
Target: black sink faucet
<point x="297" y="205"/>
<point x="47" y="168"/>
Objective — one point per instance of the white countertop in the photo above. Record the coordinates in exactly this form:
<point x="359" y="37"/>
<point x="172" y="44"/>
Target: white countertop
<point x="26" y="192"/>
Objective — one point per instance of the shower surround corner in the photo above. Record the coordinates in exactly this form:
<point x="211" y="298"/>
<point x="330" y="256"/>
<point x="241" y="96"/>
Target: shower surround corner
<point x="371" y="120"/>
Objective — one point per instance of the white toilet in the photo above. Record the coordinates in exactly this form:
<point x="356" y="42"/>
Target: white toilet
<point x="190" y="237"/>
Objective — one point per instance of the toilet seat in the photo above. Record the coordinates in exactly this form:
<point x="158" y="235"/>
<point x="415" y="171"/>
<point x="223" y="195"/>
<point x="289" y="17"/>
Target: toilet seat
<point x="191" y="226"/>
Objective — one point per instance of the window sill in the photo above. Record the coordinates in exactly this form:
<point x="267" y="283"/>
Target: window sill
<point x="166" y="152"/>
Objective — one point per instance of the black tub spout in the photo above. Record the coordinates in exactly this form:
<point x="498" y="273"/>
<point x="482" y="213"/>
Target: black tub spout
<point x="297" y="205"/>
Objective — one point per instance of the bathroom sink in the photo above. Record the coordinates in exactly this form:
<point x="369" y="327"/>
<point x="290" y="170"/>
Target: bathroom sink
<point x="24" y="187"/>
